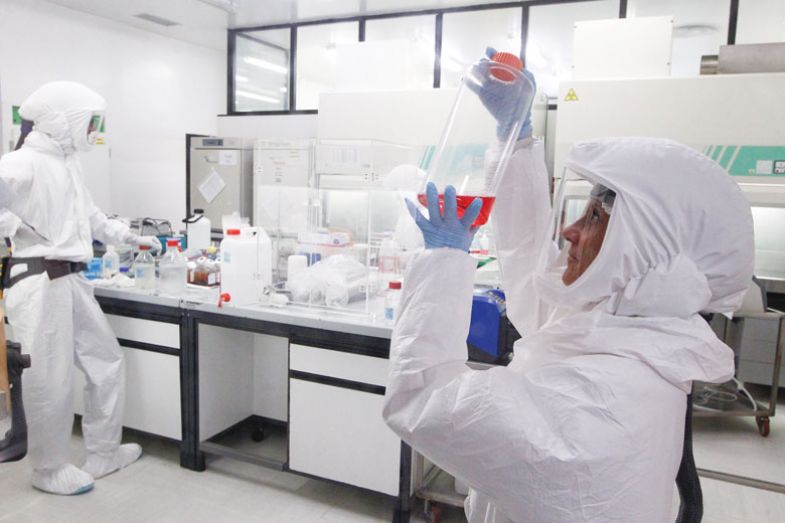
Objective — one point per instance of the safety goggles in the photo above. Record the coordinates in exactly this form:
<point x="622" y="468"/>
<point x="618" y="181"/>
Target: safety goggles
<point x="94" y="127"/>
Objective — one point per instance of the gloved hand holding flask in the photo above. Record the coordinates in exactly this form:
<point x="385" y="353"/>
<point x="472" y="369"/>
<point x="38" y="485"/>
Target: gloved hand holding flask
<point x="502" y="98"/>
<point x="446" y="226"/>
<point x="489" y="115"/>
<point x="143" y="241"/>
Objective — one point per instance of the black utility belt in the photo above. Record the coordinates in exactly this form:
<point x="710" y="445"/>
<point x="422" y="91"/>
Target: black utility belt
<point x="53" y="268"/>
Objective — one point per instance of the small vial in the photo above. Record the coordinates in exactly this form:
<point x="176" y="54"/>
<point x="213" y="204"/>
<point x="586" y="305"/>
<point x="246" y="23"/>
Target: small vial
<point x="144" y="269"/>
<point x="392" y="301"/>
<point x="173" y="269"/>
<point x="110" y="262"/>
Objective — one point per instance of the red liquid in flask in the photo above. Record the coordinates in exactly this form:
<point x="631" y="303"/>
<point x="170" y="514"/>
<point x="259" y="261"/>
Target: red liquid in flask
<point x="462" y="203"/>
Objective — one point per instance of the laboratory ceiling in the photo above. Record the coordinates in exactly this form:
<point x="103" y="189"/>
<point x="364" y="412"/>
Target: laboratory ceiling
<point x="204" y="22"/>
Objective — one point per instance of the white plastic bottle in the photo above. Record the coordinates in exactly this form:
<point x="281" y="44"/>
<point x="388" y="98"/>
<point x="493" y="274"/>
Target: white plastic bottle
<point x="239" y="267"/>
<point x="110" y="262"/>
<point x="198" y="229"/>
<point x="144" y="270"/>
<point x="392" y="301"/>
<point x="173" y="269"/>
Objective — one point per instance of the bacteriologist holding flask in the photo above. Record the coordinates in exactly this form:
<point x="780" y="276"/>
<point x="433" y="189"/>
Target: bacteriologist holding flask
<point x="587" y="421"/>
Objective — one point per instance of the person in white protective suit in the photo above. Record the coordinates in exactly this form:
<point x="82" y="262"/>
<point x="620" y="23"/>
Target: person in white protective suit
<point x="49" y="305"/>
<point x="587" y="421"/>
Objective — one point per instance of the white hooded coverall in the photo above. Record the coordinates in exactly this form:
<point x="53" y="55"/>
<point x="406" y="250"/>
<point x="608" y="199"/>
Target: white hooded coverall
<point x="586" y="424"/>
<point x="58" y="322"/>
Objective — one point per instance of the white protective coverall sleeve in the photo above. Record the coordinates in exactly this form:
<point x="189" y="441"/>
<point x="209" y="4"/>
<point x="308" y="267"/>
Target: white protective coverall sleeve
<point x="16" y="180"/>
<point x="9" y="224"/>
<point x="432" y="387"/>
<point x="520" y="220"/>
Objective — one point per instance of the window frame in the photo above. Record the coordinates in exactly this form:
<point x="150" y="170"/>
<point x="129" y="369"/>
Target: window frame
<point x="524" y="6"/>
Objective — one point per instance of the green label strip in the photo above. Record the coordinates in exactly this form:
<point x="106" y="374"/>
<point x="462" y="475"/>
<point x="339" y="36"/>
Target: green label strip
<point x="749" y="160"/>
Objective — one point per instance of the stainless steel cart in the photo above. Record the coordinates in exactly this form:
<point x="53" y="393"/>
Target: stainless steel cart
<point x="434" y="486"/>
<point x="749" y="406"/>
<point x="761" y="411"/>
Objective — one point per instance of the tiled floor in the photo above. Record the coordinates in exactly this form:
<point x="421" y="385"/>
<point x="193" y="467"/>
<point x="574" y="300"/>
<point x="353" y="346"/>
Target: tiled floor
<point x="156" y="489"/>
<point x="732" y="445"/>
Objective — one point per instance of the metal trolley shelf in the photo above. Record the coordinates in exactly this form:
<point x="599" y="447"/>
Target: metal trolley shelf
<point x="743" y="406"/>
<point x="434" y="487"/>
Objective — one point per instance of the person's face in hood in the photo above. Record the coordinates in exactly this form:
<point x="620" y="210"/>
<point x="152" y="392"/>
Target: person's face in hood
<point x="585" y="236"/>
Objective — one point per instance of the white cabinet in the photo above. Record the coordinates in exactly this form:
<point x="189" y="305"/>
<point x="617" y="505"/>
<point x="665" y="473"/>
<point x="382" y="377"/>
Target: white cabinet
<point x="337" y="364"/>
<point x="152" y="393"/>
<point x="339" y="434"/>
<point x="152" y="389"/>
<point x="336" y="430"/>
<point x="146" y="331"/>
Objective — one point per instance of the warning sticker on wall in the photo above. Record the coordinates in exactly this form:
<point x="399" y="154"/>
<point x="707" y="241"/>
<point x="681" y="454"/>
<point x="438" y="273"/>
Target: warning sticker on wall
<point x="571" y="96"/>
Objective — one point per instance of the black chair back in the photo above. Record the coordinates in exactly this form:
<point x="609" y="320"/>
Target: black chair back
<point x="687" y="481"/>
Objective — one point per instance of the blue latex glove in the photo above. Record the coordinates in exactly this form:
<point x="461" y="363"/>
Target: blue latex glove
<point x="500" y="97"/>
<point x="448" y="230"/>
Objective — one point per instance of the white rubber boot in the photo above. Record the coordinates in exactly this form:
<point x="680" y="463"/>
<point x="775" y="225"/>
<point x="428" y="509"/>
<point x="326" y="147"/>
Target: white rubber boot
<point x="66" y="480"/>
<point x="99" y="465"/>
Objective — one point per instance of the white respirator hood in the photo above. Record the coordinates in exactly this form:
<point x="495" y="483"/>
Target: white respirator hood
<point x="63" y="110"/>
<point x="679" y="240"/>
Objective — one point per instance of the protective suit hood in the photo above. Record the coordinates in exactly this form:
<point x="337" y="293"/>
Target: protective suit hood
<point x="63" y="110"/>
<point x="680" y="238"/>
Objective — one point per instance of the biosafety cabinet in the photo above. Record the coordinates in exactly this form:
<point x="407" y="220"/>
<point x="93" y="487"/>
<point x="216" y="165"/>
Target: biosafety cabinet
<point x="220" y="177"/>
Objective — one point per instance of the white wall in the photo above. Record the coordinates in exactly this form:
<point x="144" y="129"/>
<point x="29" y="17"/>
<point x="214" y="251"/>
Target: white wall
<point x="761" y="21"/>
<point x="405" y="117"/>
<point x="157" y="89"/>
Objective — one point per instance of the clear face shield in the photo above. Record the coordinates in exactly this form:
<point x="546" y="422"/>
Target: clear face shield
<point x="581" y="215"/>
<point x="94" y="127"/>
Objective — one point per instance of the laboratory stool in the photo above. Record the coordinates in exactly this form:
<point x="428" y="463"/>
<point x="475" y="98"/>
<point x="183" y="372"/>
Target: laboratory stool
<point x="687" y="481"/>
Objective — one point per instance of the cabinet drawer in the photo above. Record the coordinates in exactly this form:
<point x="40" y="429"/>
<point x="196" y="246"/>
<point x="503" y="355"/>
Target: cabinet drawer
<point x="757" y="372"/>
<point x="336" y="364"/>
<point x="146" y="331"/>
<point x="152" y="393"/>
<point x="339" y="434"/>
<point x="760" y="329"/>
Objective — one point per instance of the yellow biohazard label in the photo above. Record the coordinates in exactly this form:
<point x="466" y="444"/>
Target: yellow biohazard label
<point x="99" y="141"/>
<point x="571" y="96"/>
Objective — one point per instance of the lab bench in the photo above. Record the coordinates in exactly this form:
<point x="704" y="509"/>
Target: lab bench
<point x="195" y="370"/>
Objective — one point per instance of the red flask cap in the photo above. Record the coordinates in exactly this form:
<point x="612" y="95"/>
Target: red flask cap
<point x="507" y="59"/>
